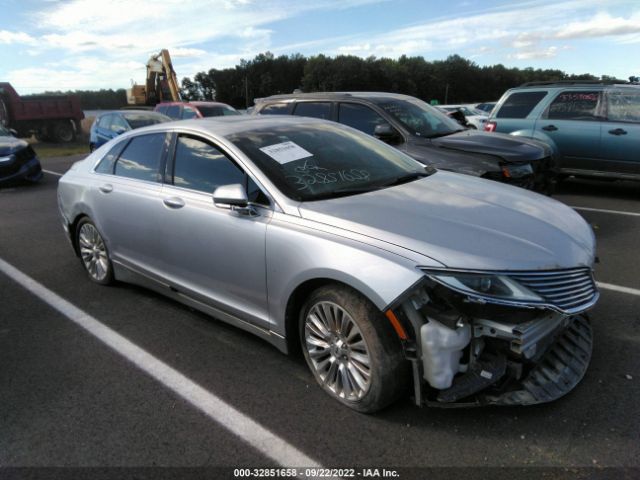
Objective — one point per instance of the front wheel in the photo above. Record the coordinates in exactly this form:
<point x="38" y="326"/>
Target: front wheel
<point x="93" y="253"/>
<point x="351" y="349"/>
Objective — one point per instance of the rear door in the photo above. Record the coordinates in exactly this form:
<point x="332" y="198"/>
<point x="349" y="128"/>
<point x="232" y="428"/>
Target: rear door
<point x="212" y="254"/>
<point x="573" y="122"/>
<point x="127" y="205"/>
<point x="621" y="132"/>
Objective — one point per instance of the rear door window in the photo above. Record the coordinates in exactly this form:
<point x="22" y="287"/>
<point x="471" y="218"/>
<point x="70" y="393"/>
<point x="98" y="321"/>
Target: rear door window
<point x="142" y="158"/>
<point x="359" y="117"/>
<point x="575" y="105"/>
<point x="520" y="104"/>
<point x="275" y="109"/>
<point x="314" y="109"/>
<point x="109" y="160"/>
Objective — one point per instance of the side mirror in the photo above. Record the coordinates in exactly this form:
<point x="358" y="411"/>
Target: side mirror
<point x="233" y="197"/>
<point x="385" y="132"/>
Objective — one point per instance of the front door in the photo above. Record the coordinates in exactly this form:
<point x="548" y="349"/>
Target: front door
<point x="214" y="255"/>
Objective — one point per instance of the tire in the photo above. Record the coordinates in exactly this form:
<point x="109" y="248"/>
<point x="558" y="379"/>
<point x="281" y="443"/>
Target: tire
<point x="94" y="255"/>
<point x="63" y="132"/>
<point x="338" y="357"/>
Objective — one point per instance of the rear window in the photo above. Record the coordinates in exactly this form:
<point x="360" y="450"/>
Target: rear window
<point x="520" y="104"/>
<point x="139" y="120"/>
<point x="275" y="109"/>
<point x="624" y="106"/>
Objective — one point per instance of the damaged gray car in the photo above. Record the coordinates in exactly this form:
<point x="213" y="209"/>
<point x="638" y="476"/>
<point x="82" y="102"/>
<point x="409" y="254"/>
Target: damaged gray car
<point x="391" y="278"/>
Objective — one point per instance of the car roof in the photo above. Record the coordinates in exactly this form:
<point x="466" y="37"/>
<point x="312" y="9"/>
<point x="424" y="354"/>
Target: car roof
<point x="197" y="103"/>
<point x="336" y="95"/>
<point x="232" y="124"/>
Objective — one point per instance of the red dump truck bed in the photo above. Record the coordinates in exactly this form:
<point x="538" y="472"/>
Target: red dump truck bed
<point x="51" y="117"/>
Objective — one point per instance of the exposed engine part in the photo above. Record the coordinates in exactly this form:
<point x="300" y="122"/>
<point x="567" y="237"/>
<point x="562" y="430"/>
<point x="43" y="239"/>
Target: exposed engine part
<point x="441" y="352"/>
<point x="527" y="339"/>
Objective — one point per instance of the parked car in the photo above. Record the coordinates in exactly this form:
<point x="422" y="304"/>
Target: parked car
<point x="425" y="134"/>
<point x="109" y="125"/>
<point x="486" y="106"/>
<point x="186" y="110"/>
<point x="18" y="161"/>
<point x="315" y="236"/>
<point x="594" y="128"/>
<point x="475" y="118"/>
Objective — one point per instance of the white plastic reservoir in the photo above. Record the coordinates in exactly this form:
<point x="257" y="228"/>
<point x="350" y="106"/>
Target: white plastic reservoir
<point x="441" y="352"/>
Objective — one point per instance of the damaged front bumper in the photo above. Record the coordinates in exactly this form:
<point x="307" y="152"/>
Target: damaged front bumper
<point x="470" y="350"/>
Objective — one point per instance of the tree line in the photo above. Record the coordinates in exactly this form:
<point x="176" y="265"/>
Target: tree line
<point x="454" y="80"/>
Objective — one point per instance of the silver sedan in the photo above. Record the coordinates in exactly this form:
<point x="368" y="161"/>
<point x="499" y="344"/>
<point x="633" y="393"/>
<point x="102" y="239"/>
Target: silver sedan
<point x="389" y="277"/>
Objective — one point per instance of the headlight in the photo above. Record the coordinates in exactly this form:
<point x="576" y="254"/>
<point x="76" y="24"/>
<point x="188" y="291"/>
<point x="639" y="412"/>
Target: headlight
<point x="517" y="171"/>
<point x="485" y="285"/>
<point x="7" y="159"/>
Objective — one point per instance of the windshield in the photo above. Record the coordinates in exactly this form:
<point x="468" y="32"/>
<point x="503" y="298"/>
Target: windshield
<point x="320" y="160"/>
<point x="217" y="110"/>
<point x="139" y="120"/>
<point x="419" y="118"/>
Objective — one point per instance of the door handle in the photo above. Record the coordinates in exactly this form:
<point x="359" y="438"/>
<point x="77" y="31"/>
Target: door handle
<point x="106" y="188"/>
<point x="618" y="131"/>
<point x="550" y="128"/>
<point x="173" y="202"/>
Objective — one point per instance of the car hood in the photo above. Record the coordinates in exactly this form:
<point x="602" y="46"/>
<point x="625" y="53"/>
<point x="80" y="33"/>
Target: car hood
<point x="507" y="147"/>
<point x="9" y="145"/>
<point x="465" y="222"/>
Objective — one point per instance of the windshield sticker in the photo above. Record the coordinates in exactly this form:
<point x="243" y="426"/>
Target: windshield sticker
<point x="286" y="152"/>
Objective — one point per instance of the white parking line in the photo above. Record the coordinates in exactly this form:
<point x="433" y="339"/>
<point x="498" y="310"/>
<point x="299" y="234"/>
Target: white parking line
<point x="52" y="173"/>
<point x="603" y="210"/>
<point x="618" y="288"/>
<point x="221" y="412"/>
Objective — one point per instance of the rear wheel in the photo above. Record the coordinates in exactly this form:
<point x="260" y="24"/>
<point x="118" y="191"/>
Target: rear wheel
<point x="63" y="132"/>
<point x="352" y="350"/>
<point x="93" y="253"/>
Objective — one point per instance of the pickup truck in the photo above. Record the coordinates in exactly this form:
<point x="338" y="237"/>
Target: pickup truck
<point x="51" y="117"/>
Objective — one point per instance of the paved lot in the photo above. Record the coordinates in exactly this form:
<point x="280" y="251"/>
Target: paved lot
<point x="68" y="400"/>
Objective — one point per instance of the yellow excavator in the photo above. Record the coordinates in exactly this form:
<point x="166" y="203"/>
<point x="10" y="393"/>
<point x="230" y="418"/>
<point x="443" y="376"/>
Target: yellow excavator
<point x="161" y="85"/>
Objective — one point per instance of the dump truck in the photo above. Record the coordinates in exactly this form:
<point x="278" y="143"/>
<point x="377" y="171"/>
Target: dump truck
<point x="50" y="117"/>
<point x="161" y="85"/>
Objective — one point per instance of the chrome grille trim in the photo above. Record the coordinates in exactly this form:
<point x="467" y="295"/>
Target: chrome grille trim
<point x="568" y="290"/>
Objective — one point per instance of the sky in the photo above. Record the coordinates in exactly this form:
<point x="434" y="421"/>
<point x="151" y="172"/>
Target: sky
<point x="93" y="44"/>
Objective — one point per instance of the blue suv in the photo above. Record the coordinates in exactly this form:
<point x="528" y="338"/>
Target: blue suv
<point x="593" y="128"/>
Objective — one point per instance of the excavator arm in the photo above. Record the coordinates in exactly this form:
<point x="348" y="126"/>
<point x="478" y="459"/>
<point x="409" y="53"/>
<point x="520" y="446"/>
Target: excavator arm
<point x="161" y="85"/>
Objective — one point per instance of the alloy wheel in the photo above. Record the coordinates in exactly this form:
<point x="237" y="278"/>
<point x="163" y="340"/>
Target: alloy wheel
<point x="93" y="252"/>
<point x="337" y="350"/>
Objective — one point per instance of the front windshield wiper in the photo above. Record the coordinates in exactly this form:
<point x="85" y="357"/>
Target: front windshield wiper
<point x="409" y="177"/>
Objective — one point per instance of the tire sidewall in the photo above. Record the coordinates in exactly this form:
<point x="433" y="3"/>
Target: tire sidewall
<point x="387" y="361"/>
